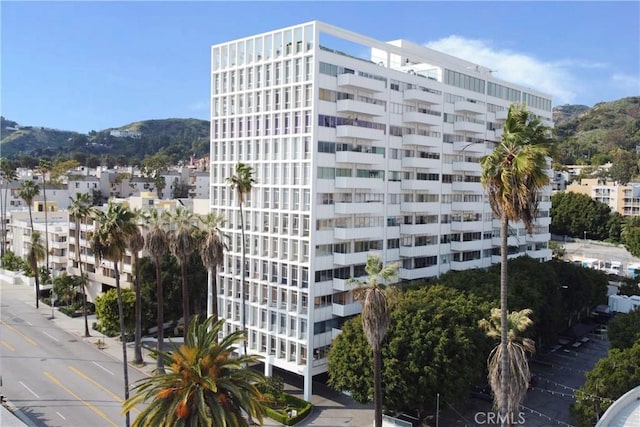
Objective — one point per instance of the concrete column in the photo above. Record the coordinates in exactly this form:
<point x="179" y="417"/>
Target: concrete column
<point x="268" y="367"/>
<point x="308" y="380"/>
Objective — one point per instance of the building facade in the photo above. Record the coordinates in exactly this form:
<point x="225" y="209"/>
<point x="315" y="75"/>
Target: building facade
<point x="624" y="199"/>
<point x="352" y="155"/>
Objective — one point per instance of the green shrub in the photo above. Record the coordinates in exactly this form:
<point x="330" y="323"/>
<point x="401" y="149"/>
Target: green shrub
<point x="302" y="407"/>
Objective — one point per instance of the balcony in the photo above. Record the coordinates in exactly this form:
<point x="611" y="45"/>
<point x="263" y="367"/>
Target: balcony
<point x="467" y="187"/>
<point x="346" y="284"/>
<point x="466" y="225"/>
<point x="471" y="127"/>
<point x="422" y="140"/>
<point x="418" y="184"/>
<point x="357" y="233"/>
<point x="422" y="96"/>
<point x="411" y="207"/>
<point x="347" y="309"/>
<point x="512" y="241"/>
<point x="359" y="132"/>
<point x="469" y="107"/>
<point x="358" y="182"/>
<point x="467" y="167"/>
<point x="408" y="229"/>
<point x="469" y="206"/>
<point x="372" y="208"/>
<point x="421" y="162"/>
<point x="501" y="115"/>
<point x="418" y="273"/>
<point x="467" y="265"/>
<point x="472" y="245"/>
<point x="473" y="147"/>
<point x="421" y="118"/>
<point x="359" y="157"/>
<point x="352" y="257"/>
<point x="359" y="107"/>
<point x="542" y="237"/>
<point x="419" y="251"/>
<point x="360" y="82"/>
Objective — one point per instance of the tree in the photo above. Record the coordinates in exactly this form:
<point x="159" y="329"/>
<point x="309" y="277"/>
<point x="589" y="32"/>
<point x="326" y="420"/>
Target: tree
<point x="80" y="210"/>
<point x="109" y="241"/>
<point x="624" y="166"/>
<point x="631" y="235"/>
<point x="612" y="377"/>
<point x="157" y="243"/>
<point x="182" y="243"/>
<point x="66" y="287"/>
<point x="8" y="175"/>
<point x="44" y="167"/>
<point x="212" y="248"/>
<point x="376" y="317"/>
<point x="242" y="183"/>
<point x="573" y="213"/>
<point x="624" y="329"/>
<point x="108" y="312"/>
<point x="28" y="191"/>
<point x="135" y="244"/>
<point x="36" y="253"/>
<point x="433" y="345"/>
<point x="513" y="175"/>
<point x="517" y="348"/>
<point x="206" y="385"/>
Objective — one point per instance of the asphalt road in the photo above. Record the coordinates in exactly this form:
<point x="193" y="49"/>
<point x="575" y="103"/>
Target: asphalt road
<point x="52" y="376"/>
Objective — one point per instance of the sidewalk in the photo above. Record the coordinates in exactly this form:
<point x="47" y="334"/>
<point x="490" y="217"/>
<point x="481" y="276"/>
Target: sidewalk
<point x="330" y="407"/>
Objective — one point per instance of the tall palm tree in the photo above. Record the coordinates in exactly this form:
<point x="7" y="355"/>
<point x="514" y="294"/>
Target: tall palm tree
<point x="212" y="248"/>
<point x="513" y="175"/>
<point x="182" y="243"/>
<point x="109" y="241"/>
<point x="206" y="385"/>
<point x="157" y="243"/>
<point x="517" y="348"/>
<point x="36" y="253"/>
<point x="242" y="182"/>
<point x="8" y="175"/>
<point x="376" y="316"/>
<point x="135" y="244"/>
<point x="44" y="167"/>
<point x="28" y="191"/>
<point x="80" y="210"/>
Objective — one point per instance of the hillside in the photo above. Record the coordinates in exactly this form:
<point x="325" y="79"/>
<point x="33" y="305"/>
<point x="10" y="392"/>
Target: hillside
<point x="178" y="138"/>
<point x="598" y="131"/>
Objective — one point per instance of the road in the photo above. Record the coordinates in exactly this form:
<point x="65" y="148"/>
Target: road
<point x="54" y="377"/>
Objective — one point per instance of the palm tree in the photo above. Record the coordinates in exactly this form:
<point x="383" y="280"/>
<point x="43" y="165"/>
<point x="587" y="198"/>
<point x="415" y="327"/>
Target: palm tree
<point x="44" y="167"/>
<point x="376" y="317"/>
<point x="28" y="191"/>
<point x="242" y="182"/>
<point x="157" y="243"/>
<point x="109" y="241"/>
<point x="36" y="253"/>
<point x="80" y="209"/>
<point x="182" y="243"/>
<point x="206" y="385"/>
<point x="8" y="175"/>
<point x="513" y="175"/>
<point x="212" y="249"/>
<point x="135" y="244"/>
<point x="517" y="348"/>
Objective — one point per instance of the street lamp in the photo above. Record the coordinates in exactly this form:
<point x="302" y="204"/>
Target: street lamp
<point x="585" y="234"/>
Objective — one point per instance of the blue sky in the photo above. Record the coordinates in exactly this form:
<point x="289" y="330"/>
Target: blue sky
<point x="94" y="65"/>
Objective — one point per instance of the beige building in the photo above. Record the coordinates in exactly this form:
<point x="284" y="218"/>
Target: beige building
<point x="624" y="199"/>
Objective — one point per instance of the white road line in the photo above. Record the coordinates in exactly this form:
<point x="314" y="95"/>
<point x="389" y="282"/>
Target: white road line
<point x="50" y="336"/>
<point x="29" y="323"/>
<point x="60" y="415"/>
<point x="103" y="368"/>
<point x="30" y="391"/>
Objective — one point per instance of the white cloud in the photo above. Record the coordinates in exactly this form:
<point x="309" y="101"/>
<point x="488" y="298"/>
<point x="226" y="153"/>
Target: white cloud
<point x="554" y="78"/>
<point x="626" y="82"/>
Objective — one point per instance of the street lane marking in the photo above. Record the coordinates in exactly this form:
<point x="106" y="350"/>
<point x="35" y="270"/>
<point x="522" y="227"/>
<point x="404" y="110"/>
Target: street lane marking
<point x="29" y="323"/>
<point x="7" y="345"/>
<point x="60" y="415"/>
<point x="103" y="368"/>
<point x="29" y="340"/>
<point x="30" y="391"/>
<point x="50" y="336"/>
<point x="97" y="384"/>
<point x="85" y="403"/>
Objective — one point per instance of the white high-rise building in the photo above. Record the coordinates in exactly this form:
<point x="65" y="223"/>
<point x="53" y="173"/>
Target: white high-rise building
<point x="358" y="146"/>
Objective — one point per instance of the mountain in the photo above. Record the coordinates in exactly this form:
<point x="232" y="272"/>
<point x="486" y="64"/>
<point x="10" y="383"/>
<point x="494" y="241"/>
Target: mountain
<point x="177" y="138"/>
<point x="597" y="132"/>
